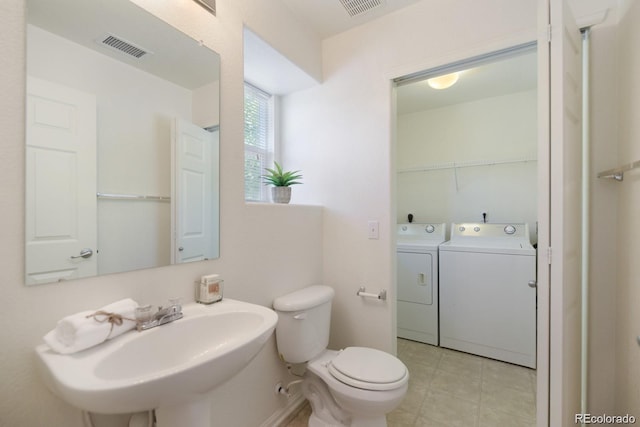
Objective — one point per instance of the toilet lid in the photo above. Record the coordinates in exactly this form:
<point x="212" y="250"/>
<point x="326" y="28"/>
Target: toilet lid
<point x="368" y="368"/>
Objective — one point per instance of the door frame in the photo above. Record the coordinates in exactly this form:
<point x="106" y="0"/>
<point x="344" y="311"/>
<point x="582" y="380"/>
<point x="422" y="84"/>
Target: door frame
<point x="564" y="112"/>
<point x="544" y="179"/>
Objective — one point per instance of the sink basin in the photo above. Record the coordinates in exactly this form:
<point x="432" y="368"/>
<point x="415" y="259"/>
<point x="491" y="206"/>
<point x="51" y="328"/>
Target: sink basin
<point x="167" y="366"/>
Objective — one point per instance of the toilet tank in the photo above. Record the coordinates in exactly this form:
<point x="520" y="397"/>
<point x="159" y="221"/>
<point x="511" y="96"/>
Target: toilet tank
<point x="304" y="320"/>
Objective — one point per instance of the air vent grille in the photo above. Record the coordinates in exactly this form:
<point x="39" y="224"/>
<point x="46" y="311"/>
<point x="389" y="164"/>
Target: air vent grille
<point x="123" y="46"/>
<point x="210" y="5"/>
<point x="357" y="7"/>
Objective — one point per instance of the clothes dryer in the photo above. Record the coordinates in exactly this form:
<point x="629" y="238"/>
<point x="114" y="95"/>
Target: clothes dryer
<point x="417" y="266"/>
<point x="487" y="292"/>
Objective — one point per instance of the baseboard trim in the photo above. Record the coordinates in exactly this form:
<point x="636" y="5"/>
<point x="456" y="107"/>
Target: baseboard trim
<point x="284" y="415"/>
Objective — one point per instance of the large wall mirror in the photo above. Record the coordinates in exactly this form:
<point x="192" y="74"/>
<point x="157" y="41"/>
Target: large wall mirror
<point x="122" y="142"/>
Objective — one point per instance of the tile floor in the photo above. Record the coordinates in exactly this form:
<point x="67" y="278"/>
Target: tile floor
<point x="449" y="389"/>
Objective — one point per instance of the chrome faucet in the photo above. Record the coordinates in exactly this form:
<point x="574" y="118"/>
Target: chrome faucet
<point x="145" y="319"/>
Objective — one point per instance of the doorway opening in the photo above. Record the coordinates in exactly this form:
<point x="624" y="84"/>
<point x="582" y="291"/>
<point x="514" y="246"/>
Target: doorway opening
<point x="466" y="144"/>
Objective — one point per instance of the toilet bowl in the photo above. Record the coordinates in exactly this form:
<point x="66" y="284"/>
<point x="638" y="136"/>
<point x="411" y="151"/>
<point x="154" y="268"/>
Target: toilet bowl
<point x="374" y="392"/>
<point x="356" y="386"/>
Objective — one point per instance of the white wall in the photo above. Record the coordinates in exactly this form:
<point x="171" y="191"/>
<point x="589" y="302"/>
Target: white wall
<point x="604" y="196"/>
<point x="496" y="129"/>
<point x="255" y="239"/>
<point x="615" y="140"/>
<point x="628" y="221"/>
<point x="339" y="135"/>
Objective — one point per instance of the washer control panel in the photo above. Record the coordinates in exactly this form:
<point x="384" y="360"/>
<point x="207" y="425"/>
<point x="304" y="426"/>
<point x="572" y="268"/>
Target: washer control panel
<point x="509" y="230"/>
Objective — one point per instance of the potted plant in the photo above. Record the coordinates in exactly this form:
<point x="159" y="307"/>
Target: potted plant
<point x="281" y="181"/>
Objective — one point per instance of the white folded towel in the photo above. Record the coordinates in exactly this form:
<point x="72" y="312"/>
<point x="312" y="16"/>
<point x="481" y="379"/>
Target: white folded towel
<point x="88" y="328"/>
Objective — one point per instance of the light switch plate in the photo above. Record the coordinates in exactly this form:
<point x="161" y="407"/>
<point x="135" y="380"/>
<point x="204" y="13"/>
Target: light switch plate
<point x="374" y="229"/>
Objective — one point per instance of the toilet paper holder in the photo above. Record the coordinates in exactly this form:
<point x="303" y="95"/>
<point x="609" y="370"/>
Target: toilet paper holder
<point x="362" y="292"/>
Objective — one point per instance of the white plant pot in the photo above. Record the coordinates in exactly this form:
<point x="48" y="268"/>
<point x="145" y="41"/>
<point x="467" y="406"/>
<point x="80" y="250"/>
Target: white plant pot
<point x="281" y="194"/>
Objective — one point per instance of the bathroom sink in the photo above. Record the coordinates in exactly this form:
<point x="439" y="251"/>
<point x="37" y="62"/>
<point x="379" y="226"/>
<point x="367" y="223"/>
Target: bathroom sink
<point x="167" y="366"/>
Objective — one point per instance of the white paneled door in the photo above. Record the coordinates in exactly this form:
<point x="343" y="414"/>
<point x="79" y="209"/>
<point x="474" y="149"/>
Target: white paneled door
<point x="193" y="220"/>
<point x="61" y="235"/>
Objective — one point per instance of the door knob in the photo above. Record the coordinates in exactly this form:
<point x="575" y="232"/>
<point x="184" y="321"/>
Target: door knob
<point x="532" y="283"/>
<point x="84" y="253"/>
<point x="181" y="249"/>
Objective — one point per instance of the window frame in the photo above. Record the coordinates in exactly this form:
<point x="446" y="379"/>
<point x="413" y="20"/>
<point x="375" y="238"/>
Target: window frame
<point x="269" y="152"/>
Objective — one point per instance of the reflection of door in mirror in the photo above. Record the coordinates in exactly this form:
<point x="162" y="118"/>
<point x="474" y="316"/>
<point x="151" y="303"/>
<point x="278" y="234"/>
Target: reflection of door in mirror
<point x="193" y="191"/>
<point x="142" y="73"/>
<point x="61" y="233"/>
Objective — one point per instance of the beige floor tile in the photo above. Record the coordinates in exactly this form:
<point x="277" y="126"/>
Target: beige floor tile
<point x="426" y="422"/>
<point x="492" y="418"/>
<point x="509" y="400"/>
<point x="461" y="386"/>
<point x="401" y="418"/>
<point x="534" y="379"/>
<point x="414" y="353"/>
<point x="420" y="375"/>
<point x="461" y="364"/>
<point x="506" y="375"/>
<point x="444" y="408"/>
<point x="402" y="344"/>
<point x="412" y="402"/>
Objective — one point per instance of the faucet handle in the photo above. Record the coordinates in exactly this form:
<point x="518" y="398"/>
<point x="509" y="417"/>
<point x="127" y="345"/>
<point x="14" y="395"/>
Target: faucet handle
<point x="174" y="305"/>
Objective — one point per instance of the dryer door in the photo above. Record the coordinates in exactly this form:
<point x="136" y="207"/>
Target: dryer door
<point x="415" y="278"/>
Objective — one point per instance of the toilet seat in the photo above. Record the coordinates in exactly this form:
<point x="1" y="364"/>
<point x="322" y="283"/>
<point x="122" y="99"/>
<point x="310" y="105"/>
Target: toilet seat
<point x="368" y="369"/>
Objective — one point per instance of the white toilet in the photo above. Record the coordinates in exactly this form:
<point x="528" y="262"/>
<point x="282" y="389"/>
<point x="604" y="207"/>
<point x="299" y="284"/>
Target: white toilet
<point x="353" y="387"/>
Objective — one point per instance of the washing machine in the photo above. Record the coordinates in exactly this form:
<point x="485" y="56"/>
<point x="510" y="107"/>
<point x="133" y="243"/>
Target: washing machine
<point x="488" y="293"/>
<point x="417" y="266"/>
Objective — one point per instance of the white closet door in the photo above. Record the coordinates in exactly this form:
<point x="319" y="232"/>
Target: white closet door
<point x="60" y="183"/>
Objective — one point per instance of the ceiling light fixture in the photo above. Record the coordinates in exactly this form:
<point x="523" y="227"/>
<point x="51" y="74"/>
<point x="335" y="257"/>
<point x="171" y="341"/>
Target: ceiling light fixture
<point x="443" y="82"/>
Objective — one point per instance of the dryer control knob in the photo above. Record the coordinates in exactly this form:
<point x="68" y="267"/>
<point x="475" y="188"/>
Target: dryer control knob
<point x="476" y="229"/>
<point x="429" y="228"/>
<point x="461" y="228"/>
<point x="509" y="229"/>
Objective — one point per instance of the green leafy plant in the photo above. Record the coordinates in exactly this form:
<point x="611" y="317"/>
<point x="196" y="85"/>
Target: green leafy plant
<point x="279" y="178"/>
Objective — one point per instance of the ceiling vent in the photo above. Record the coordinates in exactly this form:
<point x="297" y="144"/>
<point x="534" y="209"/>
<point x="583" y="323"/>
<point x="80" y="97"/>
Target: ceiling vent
<point x="121" y="45"/>
<point x="209" y="5"/>
<point x="358" y="7"/>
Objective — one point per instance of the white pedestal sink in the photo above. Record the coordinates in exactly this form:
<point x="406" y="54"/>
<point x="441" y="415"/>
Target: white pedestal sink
<point x="169" y="368"/>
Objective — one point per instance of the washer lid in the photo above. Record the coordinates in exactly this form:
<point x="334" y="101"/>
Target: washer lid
<point x="368" y="368"/>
